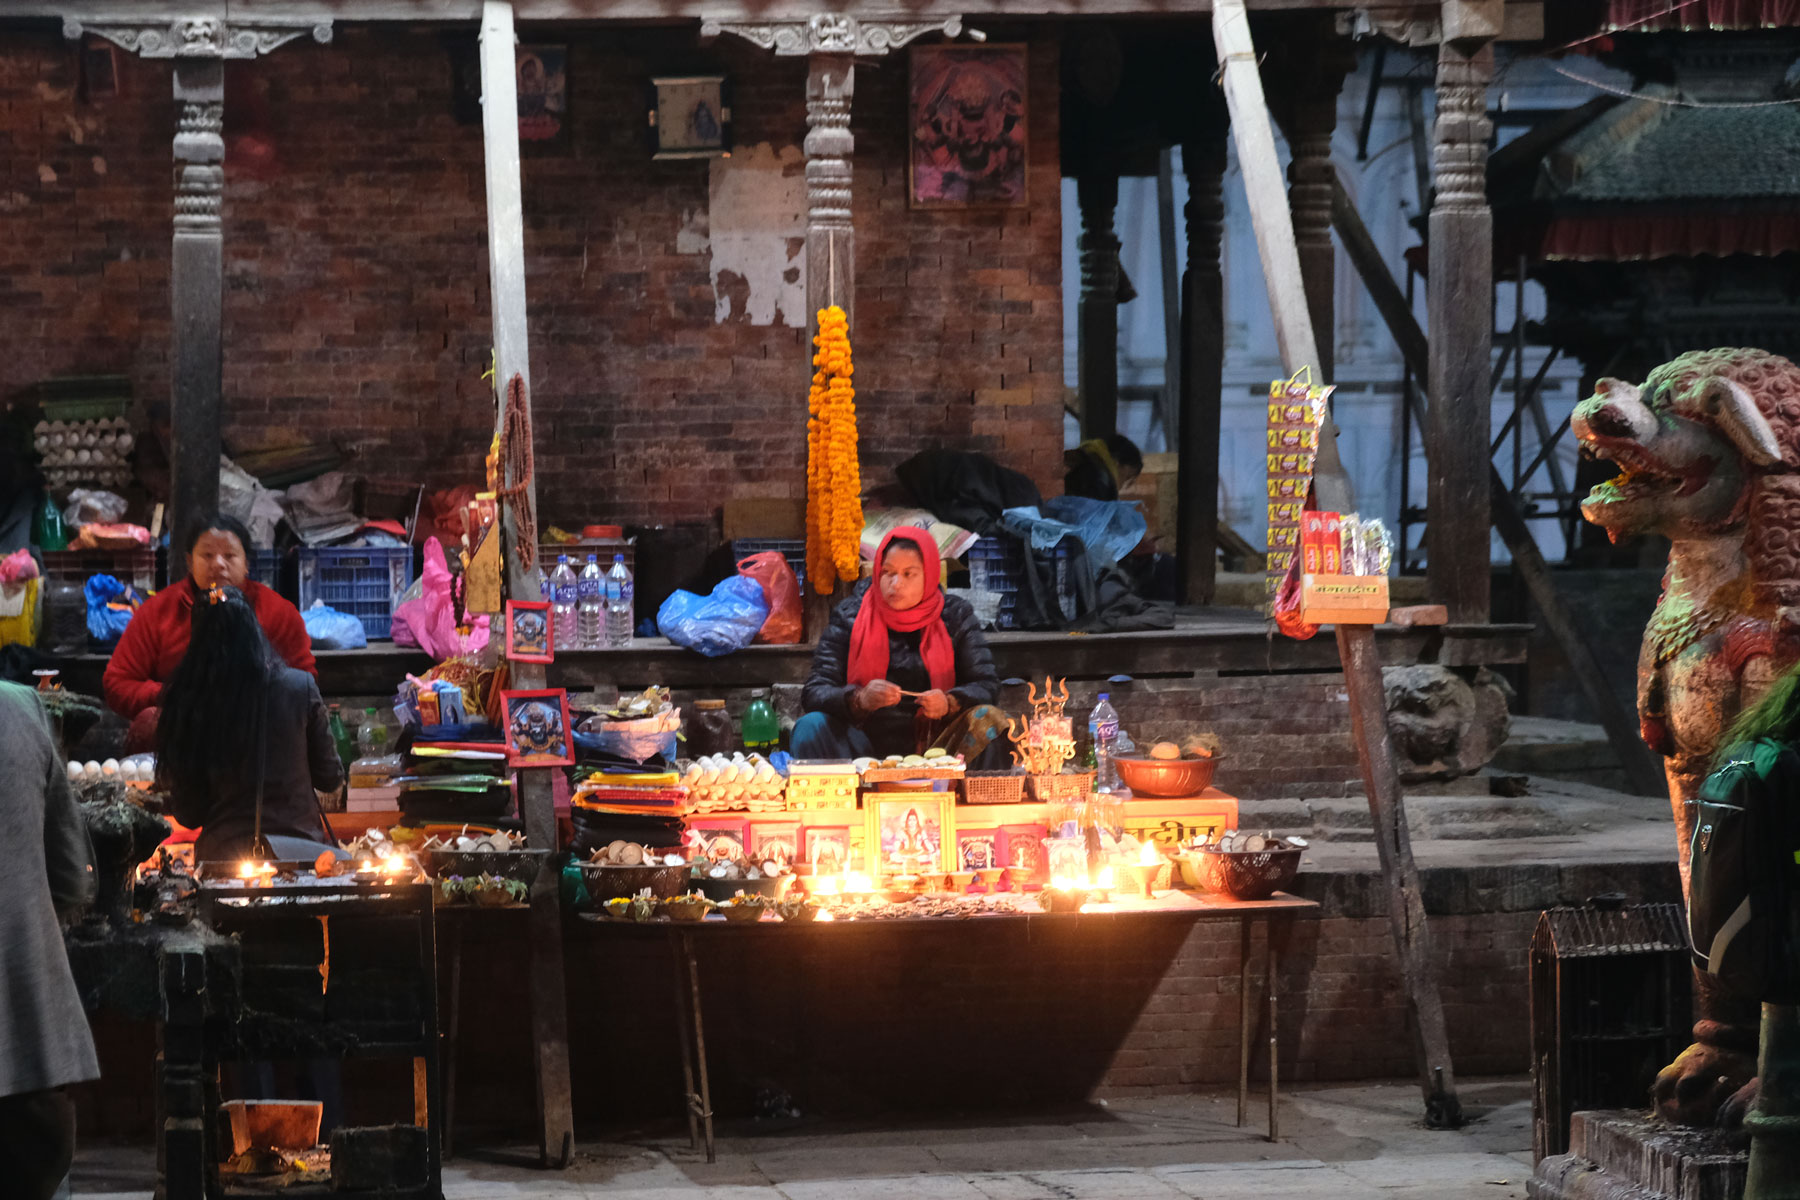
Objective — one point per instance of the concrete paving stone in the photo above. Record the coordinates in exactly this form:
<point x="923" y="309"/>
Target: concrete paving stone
<point x="1117" y="1184"/>
<point x="1250" y="1183"/>
<point x="908" y="1187"/>
<point x="1395" y="1170"/>
<point x="843" y="1162"/>
<point x="688" y="1192"/>
<point x="1012" y="1187"/>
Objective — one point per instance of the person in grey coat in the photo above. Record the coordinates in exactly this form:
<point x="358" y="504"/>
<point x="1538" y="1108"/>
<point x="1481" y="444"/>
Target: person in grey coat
<point x="44" y="1040"/>
<point x="235" y="719"/>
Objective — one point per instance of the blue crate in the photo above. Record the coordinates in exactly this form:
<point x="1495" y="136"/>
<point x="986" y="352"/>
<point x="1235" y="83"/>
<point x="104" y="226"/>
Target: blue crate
<point x="266" y="569"/>
<point x="792" y="549"/>
<point x="364" y="581"/>
<point x="997" y="565"/>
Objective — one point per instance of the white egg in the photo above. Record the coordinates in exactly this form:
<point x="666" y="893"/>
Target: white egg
<point x="91" y="772"/>
<point x="76" y="774"/>
<point x="109" y="769"/>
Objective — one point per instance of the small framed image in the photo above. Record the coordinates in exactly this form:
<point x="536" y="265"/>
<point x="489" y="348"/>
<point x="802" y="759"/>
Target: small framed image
<point x="530" y="634"/>
<point x="978" y="849"/>
<point x="690" y="117"/>
<point x="911" y="833"/>
<point x="537" y="728"/>
<point x="827" y="848"/>
<point x="775" y="841"/>
<point x="543" y="83"/>
<point x="720" y="839"/>
<point x="99" y="74"/>
<point x="967" y="122"/>
<point x="1023" y="848"/>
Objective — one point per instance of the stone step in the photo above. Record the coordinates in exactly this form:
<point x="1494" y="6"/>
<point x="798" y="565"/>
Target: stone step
<point x="1625" y="1155"/>
<point x="1458" y="818"/>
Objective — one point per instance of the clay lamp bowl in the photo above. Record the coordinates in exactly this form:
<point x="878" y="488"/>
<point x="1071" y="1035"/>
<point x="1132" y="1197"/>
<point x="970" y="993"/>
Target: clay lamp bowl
<point x="990" y="877"/>
<point x="960" y="881"/>
<point x="1062" y="899"/>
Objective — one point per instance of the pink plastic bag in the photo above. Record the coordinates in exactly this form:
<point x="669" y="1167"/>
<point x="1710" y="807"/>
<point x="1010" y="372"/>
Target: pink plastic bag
<point x="782" y="590"/>
<point x="430" y="621"/>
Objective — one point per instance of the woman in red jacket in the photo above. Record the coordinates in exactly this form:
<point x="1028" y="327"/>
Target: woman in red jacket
<point x="217" y="551"/>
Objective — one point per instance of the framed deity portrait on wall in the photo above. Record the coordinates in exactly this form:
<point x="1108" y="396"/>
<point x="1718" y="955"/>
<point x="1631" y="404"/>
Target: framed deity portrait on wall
<point x="911" y="833"/>
<point x="966" y="138"/>
<point x="543" y="80"/>
<point x="537" y="728"/>
<point x="978" y="849"/>
<point x="775" y="841"/>
<point x="690" y="117"/>
<point x="530" y="635"/>
<point x="720" y="839"/>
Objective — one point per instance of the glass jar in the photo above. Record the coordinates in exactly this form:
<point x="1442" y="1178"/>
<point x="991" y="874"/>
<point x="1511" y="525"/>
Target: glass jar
<point x="709" y="730"/>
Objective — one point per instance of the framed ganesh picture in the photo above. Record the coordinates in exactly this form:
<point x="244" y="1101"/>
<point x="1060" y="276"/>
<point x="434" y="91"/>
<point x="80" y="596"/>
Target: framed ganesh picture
<point x="967" y="132"/>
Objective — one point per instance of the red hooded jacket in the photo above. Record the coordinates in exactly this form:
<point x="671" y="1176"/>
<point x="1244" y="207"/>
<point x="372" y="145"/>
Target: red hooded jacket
<point x="157" y="637"/>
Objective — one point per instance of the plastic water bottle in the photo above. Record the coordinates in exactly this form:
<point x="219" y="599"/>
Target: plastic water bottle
<point x="371" y="735"/>
<point x="620" y="607"/>
<point x="590" y="594"/>
<point x="761" y="728"/>
<point x="563" y="595"/>
<point x="1103" y="727"/>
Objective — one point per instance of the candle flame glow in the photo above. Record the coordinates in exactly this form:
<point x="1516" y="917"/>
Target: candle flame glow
<point x="856" y="881"/>
<point x="1105" y="880"/>
<point x="825" y="916"/>
<point x="826" y="885"/>
<point x="1150" y="856"/>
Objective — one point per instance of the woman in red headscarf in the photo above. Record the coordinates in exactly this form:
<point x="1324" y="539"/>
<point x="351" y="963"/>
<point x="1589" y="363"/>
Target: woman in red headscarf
<point x="902" y="668"/>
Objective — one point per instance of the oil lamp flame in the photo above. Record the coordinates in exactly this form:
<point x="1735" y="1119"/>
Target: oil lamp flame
<point x="1150" y="856"/>
<point x="1105" y="879"/>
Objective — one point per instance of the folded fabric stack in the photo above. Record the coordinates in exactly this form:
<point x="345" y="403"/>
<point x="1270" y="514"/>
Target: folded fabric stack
<point x="454" y="781"/>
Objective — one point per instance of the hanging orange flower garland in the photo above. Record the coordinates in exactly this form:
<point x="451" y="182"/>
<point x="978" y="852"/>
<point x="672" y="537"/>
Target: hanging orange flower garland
<point x="834" y="516"/>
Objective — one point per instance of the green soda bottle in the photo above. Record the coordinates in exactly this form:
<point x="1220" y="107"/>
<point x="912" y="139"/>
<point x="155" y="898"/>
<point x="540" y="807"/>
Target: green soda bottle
<point x="340" y="737"/>
<point x="761" y="729"/>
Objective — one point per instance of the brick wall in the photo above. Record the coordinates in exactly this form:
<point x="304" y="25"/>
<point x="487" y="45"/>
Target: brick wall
<point x="356" y="302"/>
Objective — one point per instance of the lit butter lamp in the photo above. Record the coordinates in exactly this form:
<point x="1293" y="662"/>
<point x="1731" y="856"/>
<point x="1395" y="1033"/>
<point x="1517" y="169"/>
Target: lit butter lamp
<point x="1145" y="870"/>
<point x="256" y="872"/>
<point x="1064" y="894"/>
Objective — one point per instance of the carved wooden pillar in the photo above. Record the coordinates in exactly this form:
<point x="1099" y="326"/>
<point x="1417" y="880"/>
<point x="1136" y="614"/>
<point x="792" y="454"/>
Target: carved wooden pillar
<point x="1312" y="119"/>
<point x="196" y="291"/>
<point x="832" y="42"/>
<point x="1202" y="371"/>
<point x="1097" y="312"/>
<point x="1460" y="287"/>
<point x="830" y="234"/>
<point x="199" y="42"/>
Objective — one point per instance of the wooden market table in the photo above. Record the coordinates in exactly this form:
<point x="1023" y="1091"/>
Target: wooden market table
<point x="683" y="935"/>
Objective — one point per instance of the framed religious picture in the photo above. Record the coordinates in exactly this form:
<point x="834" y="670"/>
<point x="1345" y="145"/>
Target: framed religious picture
<point x="543" y="82"/>
<point x="537" y="728"/>
<point x="827" y="848"/>
<point x="910" y="833"/>
<point x="1023" y="849"/>
<point x="775" y="841"/>
<point x="719" y="839"/>
<point x="966" y="127"/>
<point x="530" y="636"/>
<point x="690" y="117"/>
<point x="978" y="849"/>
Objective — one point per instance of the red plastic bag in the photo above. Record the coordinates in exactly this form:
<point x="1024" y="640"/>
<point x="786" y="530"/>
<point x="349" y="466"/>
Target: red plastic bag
<point x="782" y="590"/>
<point x="1287" y="605"/>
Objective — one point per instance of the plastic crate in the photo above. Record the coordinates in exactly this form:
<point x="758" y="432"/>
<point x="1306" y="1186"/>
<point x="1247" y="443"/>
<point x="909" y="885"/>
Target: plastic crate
<point x="792" y="549"/>
<point x="364" y="581"/>
<point x="997" y="565"/>
<point x="269" y="568"/>
<point x="135" y="567"/>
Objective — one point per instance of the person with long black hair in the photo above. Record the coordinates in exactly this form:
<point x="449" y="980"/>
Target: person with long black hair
<point x="236" y="723"/>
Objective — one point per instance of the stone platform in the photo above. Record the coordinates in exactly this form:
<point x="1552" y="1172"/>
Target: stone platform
<point x="1620" y="1155"/>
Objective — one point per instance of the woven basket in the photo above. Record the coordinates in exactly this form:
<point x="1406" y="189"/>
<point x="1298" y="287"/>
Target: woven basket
<point x="1051" y="789"/>
<point x="1247" y="874"/>
<point x="993" y="787"/>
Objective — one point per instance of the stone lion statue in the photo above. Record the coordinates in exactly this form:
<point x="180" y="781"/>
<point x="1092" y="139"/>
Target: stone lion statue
<point x="1708" y="449"/>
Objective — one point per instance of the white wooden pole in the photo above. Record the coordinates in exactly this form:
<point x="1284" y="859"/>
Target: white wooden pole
<point x="506" y="283"/>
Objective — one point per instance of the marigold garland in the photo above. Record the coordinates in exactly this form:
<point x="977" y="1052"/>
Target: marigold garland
<point x="834" y="516"/>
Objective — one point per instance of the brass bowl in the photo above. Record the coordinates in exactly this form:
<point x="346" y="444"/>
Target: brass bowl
<point x="1167" y="777"/>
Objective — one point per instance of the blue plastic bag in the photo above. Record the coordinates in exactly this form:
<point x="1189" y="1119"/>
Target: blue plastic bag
<point x="727" y="620"/>
<point x="110" y="606"/>
<point x="330" y="629"/>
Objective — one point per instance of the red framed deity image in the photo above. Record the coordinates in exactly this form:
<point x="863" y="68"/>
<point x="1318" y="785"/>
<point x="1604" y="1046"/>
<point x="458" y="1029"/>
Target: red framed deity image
<point x="978" y="849"/>
<point x="1023" y="848"/>
<point x="967" y="146"/>
<point x="537" y="728"/>
<point x="530" y="631"/>
<point x="775" y="841"/>
<point x="719" y="839"/>
<point x="827" y="848"/>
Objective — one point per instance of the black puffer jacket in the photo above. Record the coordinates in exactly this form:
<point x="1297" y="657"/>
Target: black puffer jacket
<point x="892" y="729"/>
